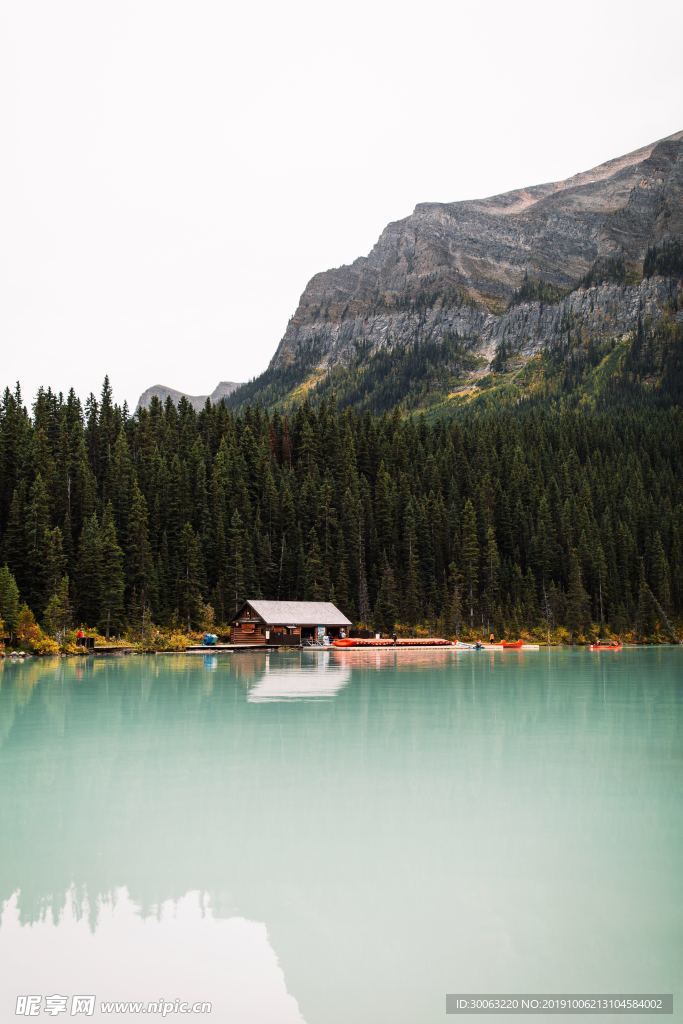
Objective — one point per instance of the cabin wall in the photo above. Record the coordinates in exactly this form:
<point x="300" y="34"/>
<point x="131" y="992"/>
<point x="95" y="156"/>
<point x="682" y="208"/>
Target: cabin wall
<point x="248" y="633"/>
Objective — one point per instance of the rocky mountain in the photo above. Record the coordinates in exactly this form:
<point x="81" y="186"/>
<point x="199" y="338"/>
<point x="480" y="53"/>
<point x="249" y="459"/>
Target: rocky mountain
<point x="459" y="291"/>
<point x="197" y="402"/>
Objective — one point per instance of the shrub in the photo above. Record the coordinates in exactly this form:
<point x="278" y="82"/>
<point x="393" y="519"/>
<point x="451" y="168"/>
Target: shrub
<point x="30" y="635"/>
<point x="45" y="645"/>
<point x="174" y="640"/>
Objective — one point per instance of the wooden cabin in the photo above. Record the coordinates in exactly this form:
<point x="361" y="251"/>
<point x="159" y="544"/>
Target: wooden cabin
<point x="286" y="623"/>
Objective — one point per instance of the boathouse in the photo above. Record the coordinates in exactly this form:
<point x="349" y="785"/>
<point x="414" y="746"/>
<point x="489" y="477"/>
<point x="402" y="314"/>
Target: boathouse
<point x="286" y="623"/>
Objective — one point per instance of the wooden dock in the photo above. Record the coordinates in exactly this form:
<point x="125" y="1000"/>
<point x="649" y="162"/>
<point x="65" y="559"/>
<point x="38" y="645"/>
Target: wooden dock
<point x="221" y="648"/>
<point x="108" y="651"/>
<point x="101" y="652"/>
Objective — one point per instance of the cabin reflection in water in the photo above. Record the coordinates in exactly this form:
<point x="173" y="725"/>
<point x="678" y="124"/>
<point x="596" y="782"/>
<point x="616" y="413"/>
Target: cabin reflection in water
<point x="299" y="682"/>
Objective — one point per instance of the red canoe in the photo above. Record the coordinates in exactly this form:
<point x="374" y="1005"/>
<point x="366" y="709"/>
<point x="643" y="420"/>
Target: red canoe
<point x="605" y="647"/>
<point x="512" y="643"/>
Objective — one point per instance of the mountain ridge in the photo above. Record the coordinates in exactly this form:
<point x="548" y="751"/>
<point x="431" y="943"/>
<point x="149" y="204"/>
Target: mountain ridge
<point x="516" y="269"/>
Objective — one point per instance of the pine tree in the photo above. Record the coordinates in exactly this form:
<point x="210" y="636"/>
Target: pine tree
<point x="386" y="605"/>
<point x="106" y="434"/>
<point x="341" y="587"/>
<point x="454" y="609"/>
<point x="58" y="615"/>
<point x="9" y="599"/>
<point x="601" y="597"/>
<point x="138" y="557"/>
<point x="411" y="603"/>
<point x="55" y="561"/>
<point x="660" y="573"/>
<point x="38" y="545"/>
<point x="316" y="575"/>
<point x="89" y="572"/>
<point x="578" y="603"/>
<point x="469" y="556"/>
<point x="491" y="576"/>
<point x="235" y="577"/>
<point x="112" y="587"/>
<point x="190" y="581"/>
<point x="14" y="543"/>
<point x="646" y="613"/>
<point x="122" y="480"/>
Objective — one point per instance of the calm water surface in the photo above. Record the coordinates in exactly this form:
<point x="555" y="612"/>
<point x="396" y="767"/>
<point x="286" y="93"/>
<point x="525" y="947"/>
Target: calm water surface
<point x="341" y="837"/>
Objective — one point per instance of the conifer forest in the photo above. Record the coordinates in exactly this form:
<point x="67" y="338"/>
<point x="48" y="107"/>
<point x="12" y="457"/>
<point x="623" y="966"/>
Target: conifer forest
<point x="548" y="518"/>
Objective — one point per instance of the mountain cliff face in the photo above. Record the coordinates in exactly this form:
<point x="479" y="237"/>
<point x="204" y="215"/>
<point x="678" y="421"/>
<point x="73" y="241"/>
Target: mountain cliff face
<point x="477" y="283"/>
<point x="160" y="391"/>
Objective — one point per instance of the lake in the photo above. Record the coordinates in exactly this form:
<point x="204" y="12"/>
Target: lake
<point x="329" y="837"/>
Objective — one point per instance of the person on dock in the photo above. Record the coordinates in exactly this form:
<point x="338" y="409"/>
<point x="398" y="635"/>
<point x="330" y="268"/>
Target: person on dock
<point x="492" y="638"/>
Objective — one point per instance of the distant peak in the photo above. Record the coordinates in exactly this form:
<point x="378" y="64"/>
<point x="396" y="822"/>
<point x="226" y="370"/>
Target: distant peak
<point x="162" y="392"/>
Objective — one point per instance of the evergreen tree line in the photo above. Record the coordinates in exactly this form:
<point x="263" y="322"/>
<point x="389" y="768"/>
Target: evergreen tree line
<point x="518" y="517"/>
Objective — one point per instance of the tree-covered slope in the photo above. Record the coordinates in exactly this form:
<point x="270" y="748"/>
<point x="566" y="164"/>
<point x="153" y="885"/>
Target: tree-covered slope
<point x="443" y="377"/>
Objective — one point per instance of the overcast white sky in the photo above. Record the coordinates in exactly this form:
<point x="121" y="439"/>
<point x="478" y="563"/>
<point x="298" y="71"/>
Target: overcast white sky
<point x="172" y="173"/>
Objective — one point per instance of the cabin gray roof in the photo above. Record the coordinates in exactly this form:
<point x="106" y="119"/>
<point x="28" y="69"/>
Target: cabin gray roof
<point x="299" y="613"/>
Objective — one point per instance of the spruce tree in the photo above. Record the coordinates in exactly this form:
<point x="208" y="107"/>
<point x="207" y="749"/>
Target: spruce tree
<point x="469" y="557"/>
<point x="660" y="573"/>
<point x="235" y="592"/>
<point x="112" y="587"/>
<point x="55" y="561"/>
<point x="189" y="581"/>
<point x="38" y="545"/>
<point x="491" y="576"/>
<point x="646" y="612"/>
<point x="454" y="614"/>
<point x="14" y="541"/>
<point x="138" y="558"/>
<point x="58" y="615"/>
<point x="10" y="603"/>
<point x="578" y="603"/>
<point x="411" y="604"/>
<point x="316" y="574"/>
<point x="386" y="605"/>
<point x="89" y="573"/>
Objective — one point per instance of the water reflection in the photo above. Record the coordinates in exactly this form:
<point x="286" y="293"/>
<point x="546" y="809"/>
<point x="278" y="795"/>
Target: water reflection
<point x="439" y="822"/>
<point x="177" y="953"/>
<point x="317" y="677"/>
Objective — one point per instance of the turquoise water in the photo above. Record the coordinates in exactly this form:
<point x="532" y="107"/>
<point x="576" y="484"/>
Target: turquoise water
<point x="328" y="837"/>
